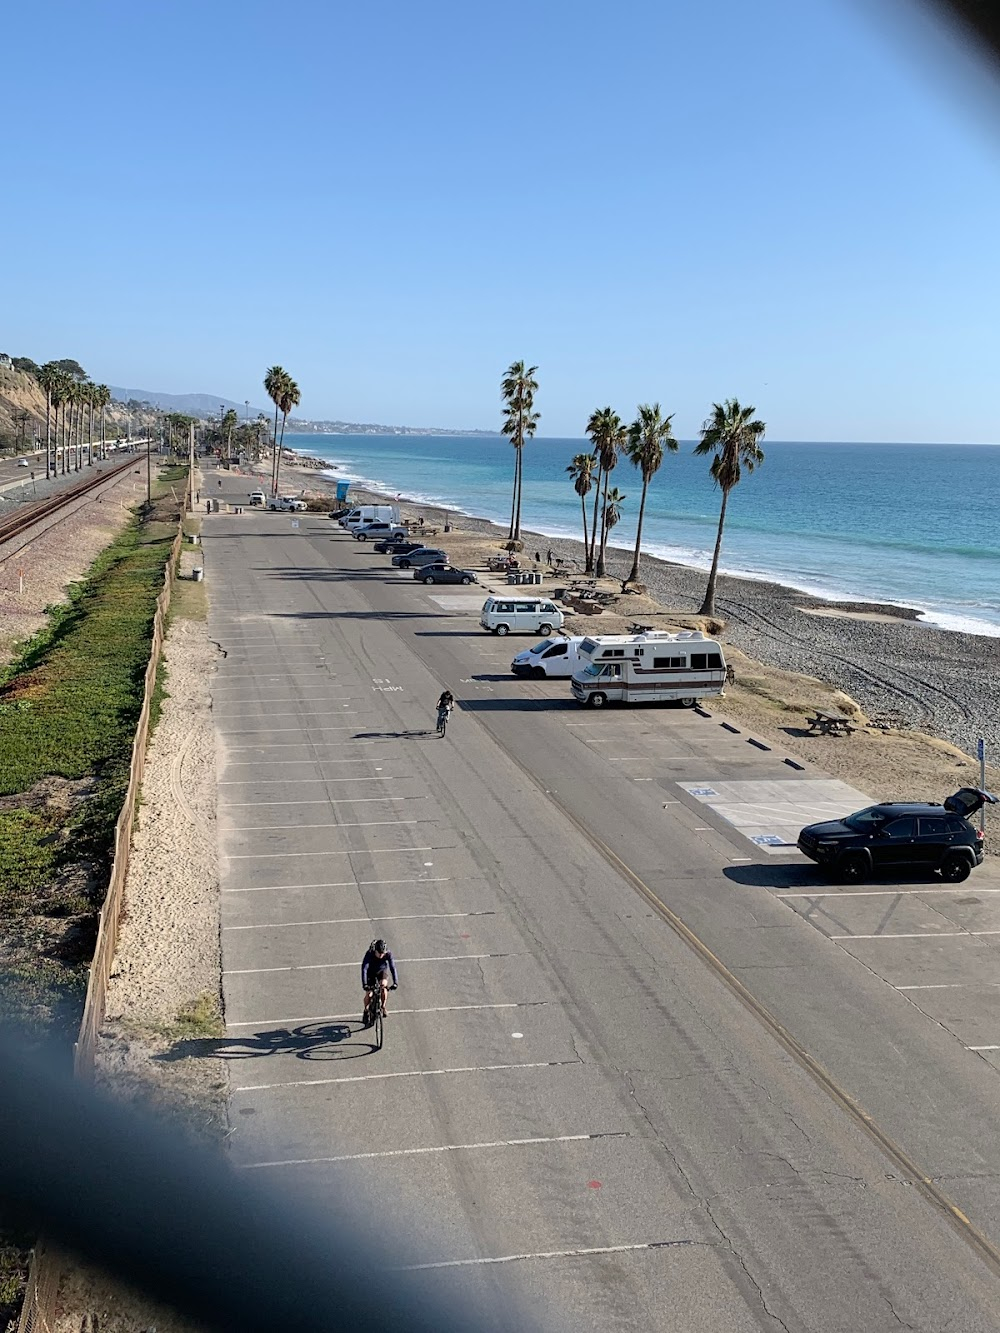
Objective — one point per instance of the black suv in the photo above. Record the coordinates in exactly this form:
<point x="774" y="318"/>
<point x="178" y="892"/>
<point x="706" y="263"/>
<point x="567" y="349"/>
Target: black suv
<point x="907" y="835"/>
<point x="392" y="546"/>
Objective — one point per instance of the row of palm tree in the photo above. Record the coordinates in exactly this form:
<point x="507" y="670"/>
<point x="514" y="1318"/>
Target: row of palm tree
<point x="731" y="435"/>
<point x="71" y="402"/>
<point x="284" y="394"/>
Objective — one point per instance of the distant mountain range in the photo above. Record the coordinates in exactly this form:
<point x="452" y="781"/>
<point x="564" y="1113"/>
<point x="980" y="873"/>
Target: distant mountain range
<point x="207" y="405"/>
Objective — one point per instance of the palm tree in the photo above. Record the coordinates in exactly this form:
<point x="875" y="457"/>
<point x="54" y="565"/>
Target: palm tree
<point x="608" y="435"/>
<point x="648" y="436"/>
<point x="518" y="388"/>
<point x="288" y="398"/>
<point x="48" y="378"/>
<point x="274" y="381"/>
<point x="581" y="469"/>
<point x="612" y="511"/>
<point x="103" y="399"/>
<point x="732" y="436"/>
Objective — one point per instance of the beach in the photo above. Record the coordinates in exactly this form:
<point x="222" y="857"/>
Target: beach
<point x="923" y="694"/>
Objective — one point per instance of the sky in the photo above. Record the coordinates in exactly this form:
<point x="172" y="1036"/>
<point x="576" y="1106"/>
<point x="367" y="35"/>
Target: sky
<point x="791" y="202"/>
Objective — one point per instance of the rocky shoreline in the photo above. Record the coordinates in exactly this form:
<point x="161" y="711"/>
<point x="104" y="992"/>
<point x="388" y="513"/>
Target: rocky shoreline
<point x="902" y="672"/>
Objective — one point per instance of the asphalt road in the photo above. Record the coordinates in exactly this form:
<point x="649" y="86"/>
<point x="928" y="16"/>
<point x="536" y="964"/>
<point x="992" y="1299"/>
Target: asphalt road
<point x="631" y="1078"/>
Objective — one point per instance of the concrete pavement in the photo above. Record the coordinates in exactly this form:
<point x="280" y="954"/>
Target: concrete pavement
<point x="572" y="1109"/>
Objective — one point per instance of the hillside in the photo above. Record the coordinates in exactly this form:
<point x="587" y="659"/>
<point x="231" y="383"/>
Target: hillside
<point x="193" y="404"/>
<point x="21" y="394"/>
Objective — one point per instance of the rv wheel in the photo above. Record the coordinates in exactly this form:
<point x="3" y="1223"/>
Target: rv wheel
<point x="598" y="700"/>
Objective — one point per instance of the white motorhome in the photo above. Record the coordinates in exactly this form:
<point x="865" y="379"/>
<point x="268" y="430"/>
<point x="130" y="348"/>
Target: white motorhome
<point x="362" y="514"/>
<point x="649" y="668"/>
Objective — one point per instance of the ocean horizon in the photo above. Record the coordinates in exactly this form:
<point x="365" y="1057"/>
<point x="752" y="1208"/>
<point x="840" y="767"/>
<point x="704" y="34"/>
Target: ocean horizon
<point x="907" y="524"/>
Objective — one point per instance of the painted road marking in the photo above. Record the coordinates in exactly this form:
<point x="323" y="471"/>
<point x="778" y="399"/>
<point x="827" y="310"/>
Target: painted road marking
<point x="338" y="884"/>
<point x="278" y="828"/>
<point x="275" y="763"/>
<point x="325" y="967"/>
<point x="436" y="1009"/>
<point x="353" y="920"/>
<point x="249" y="731"/>
<point x="448" y="1147"/>
<point x="330" y="800"/>
<point x="290" y="745"/>
<point x="883" y="893"/>
<point x="351" y="851"/>
<point x="918" y="935"/>
<point x="404" y="1073"/>
<point x="554" y="1254"/>
<point x="949" y="985"/>
<point x="984" y="1048"/>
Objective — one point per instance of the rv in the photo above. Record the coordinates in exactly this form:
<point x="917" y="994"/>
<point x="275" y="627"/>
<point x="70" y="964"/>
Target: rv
<point x="649" y="668"/>
<point x="362" y="514"/>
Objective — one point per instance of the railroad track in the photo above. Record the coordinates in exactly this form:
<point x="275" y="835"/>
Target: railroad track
<point x="26" y="519"/>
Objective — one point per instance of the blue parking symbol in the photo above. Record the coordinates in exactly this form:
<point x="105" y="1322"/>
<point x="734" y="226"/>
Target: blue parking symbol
<point x="703" y="791"/>
<point x="768" y="840"/>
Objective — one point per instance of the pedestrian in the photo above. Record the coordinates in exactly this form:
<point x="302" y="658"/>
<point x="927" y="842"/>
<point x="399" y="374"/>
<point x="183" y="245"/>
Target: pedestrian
<point x="548" y="557"/>
<point x="208" y="506"/>
<point x="538" y="557"/>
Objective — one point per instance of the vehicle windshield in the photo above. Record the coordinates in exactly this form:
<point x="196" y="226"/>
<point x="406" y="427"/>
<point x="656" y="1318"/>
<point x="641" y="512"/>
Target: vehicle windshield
<point x="863" y="821"/>
<point x="541" y="647"/>
<point x="594" y="669"/>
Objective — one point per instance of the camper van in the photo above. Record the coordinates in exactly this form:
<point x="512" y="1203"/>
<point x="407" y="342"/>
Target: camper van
<point x="363" y="514"/>
<point x="649" y="668"/>
<point x="551" y="657"/>
<point x="525" y="615"/>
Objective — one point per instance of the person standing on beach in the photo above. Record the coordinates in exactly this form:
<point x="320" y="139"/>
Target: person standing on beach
<point x="548" y="557"/>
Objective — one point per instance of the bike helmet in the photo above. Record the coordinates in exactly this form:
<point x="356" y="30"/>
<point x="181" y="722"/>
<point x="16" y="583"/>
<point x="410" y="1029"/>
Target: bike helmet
<point x="380" y="946"/>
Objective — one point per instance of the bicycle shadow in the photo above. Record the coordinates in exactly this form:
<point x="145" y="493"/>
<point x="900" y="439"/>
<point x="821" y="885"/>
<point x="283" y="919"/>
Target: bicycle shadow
<point x="308" y="1041"/>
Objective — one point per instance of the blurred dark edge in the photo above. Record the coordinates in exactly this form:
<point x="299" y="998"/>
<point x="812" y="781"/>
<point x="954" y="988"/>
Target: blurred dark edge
<point x="977" y="20"/>
<point x="176" y="1222"/>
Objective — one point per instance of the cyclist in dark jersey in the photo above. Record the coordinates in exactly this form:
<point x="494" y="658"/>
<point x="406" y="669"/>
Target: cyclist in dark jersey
<point x="376" y="967"/>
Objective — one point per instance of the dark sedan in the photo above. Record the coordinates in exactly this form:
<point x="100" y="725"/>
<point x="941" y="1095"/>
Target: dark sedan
<point x="425" y="555"/>
<point x="901" y="836"/>
<point x="444" y="574"/>
<point x="389" y="546"/>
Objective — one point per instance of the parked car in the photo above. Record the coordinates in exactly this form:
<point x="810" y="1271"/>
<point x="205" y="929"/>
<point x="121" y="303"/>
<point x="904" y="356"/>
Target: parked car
<point x="529" y="615"/>
<point x="23" y="462"/>
<point x="424" y="555"/>
<point x="286" y="503"/>
<point x="906" y="835"/>
<point x="551" y="657"/>
<point x="389" y="546"/>
<point x="444" y="574"/>
<point x="371" y="531"/>
<point x="257" y="499"/>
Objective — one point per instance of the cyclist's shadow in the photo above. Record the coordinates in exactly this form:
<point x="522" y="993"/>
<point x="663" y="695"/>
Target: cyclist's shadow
<point x="308" y="1041"/>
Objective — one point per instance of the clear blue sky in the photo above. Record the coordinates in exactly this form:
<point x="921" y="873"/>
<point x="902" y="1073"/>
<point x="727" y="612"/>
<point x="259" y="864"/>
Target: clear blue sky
<point x="651" y="199"/>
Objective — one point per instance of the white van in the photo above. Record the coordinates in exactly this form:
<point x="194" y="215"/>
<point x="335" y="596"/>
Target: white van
<point x="649" y="668"/>
<point x="529" y="615"/>
<point x="551" y="657"/>
<point x="362" y="514"/>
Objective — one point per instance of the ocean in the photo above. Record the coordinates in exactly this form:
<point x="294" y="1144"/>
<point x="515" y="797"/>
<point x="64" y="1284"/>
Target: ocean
<point x="911" y="524"/>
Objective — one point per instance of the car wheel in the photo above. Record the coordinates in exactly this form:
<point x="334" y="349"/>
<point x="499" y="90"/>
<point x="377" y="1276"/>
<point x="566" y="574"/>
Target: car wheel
<point x="502" y="630"/>
<point x="545" y="630"/>
<point x="854" y="868"/>
<point x="361" y="537"/>
<point x="597" y="699"/>
<point x="428" y="578"/>
<point x="466" y="579"/>
<point x="955" y="868"/>
<point x="538" y="672"/>
<point x="688" y="703"/>
<point x="404" y="564"/>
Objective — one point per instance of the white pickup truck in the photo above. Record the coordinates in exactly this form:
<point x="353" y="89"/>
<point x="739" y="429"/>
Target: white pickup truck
<point x="287" y="502"/>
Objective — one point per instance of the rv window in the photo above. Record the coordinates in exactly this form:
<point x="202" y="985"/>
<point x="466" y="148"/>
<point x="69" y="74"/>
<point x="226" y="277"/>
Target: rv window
<point x="664" y="663"/>
<point x="613" y="670"/>
<point x="525" y="606"/>
<point x="698" y="661"/>
<point x="547" y="606"/>
<point x="613" y="652"/>
<point x="715" y="660"/>
<point x="588" y="646"/>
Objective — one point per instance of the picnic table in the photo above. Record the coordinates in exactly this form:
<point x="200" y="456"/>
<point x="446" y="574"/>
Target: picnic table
<point x="830" y="724"/>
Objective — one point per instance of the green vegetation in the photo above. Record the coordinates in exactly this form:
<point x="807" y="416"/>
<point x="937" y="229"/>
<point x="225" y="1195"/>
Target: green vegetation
<point x="608" y="437"/>
<point x="648" y="436"/>
<point x="732" y="436"/>
<point x="581" y="471"/>
<point x="518" y="388"/>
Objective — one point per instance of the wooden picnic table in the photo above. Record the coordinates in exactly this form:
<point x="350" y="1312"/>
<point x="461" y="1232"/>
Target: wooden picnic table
<point x="830" y="724"/>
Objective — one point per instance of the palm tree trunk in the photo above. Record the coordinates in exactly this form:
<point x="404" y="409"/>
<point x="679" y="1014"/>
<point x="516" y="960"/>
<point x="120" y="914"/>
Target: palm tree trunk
<point x="708" y="605"/>
<point x="520" y="486"/>
<point x="604" y="528"/>
<point x="277" y="468"/>
<point x="48" y="432"/>
<point x="633" y="575"/>
<point x="589" y="568"/>
<point x="103" y="450"/>
<point x="274" y="453"/>
<point x="513" y="497"/>
<point x="583" y="506"/>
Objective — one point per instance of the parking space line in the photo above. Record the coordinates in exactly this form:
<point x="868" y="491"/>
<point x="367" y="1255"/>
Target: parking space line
<point x="291" y="712"/>
<point x="434" y="1009"/>
<point x="330" y="800"/>
<point x="288" y="782"/>
<point x="949" y="985"/>
<point x="281" y="828"/>
<point x="326" y="967"/>
<point x="347" y="851"/>
<point x="404" y="1073"/>
<point x="442" y="1148"/>
<point x="290" y="745"/>
<point x="277" y="731"/>
<point x="882" y="893"/>
<point x="338" y="884"/>
<point x="554" y="1254"/>
<point x="918" y="935"/>
<point x="983" y="1048"/>
<point x="354" y="920"/>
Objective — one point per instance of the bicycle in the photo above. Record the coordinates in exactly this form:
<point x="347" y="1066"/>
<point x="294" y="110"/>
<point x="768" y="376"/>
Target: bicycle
<point x="376" y="1013"/>
<point x="442" y="720"/>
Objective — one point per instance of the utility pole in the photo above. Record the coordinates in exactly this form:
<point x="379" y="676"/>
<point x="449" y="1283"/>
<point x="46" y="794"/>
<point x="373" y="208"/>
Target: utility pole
<point x="190" y="467"/>
<point x="149" y="468"/>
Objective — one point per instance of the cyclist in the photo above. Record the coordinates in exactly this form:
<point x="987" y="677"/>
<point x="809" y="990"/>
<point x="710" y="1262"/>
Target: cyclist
<point x="444" y="706"/>
<point x="376" y="967"/>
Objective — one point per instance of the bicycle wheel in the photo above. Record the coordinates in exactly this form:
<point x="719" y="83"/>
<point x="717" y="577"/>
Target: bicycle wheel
<point x="377" y="1033"/>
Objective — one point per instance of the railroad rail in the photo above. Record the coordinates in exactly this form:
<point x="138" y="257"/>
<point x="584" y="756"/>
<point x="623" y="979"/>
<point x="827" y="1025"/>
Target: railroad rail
<point x="41" y="509"/>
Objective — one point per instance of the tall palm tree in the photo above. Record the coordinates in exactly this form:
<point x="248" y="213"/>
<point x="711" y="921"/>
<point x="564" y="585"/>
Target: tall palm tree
<point x="274" y="381"/>
<point x="648" y="436"/>
<point x="612" y="510"/>
<point x="48" y="378"/>
<point x="608" y="436"/>
<point x="732" y="436"/>
<point x="57" y="393"/>
<point x="103" y="399"/>
<point x="288" y="398"/>
<point x="581" y="469"/>
<point x="518" y="388"/>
